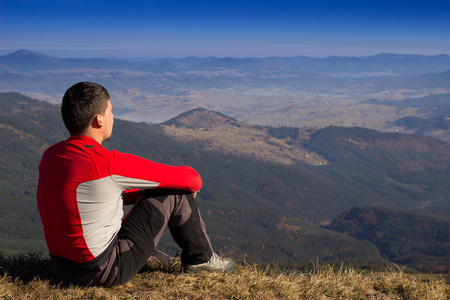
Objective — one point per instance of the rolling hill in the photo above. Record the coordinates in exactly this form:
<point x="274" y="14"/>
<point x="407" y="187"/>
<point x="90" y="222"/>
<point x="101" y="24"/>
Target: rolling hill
<point x="408" y="170"/>
<point x="254" y="208"/>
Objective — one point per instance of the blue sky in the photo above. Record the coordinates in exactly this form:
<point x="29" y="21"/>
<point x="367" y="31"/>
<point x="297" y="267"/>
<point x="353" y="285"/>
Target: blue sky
<point x="242" y="28"/>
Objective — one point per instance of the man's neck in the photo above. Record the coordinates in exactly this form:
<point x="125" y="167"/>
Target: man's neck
<point x="94" y="135"/>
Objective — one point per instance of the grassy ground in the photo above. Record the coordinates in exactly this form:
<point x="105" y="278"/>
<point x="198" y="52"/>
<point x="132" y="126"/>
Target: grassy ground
<point x="30" y="277"/>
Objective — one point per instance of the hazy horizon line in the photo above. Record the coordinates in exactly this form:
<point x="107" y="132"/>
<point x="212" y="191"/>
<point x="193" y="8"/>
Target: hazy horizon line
<point x="44" y="51"/>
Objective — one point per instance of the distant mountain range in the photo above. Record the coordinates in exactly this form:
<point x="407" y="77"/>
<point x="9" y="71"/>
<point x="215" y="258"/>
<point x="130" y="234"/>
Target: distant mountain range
<point x="256" y="207"/>
<point x="274" y="91"/>
<point x="387" y="64"/>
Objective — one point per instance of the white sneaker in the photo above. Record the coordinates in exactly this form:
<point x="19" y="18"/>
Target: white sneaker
<point x="215" y="264"/>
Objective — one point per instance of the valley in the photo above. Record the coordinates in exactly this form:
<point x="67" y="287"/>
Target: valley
<point x="295" y="92"/>
<point x="286" y="147"/>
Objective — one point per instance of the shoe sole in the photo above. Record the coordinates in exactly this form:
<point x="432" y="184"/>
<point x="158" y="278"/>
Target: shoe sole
<point x="227" y="269"/>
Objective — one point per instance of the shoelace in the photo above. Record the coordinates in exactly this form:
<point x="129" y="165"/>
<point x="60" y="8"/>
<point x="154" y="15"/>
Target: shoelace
<point x="216" y="260"/>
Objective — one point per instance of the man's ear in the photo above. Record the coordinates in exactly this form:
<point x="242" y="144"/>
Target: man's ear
<point x="97" y="122"/>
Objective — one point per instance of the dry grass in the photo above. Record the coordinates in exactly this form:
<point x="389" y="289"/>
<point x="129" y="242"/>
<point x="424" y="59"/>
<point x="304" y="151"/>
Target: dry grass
<point x="247" y="282"/>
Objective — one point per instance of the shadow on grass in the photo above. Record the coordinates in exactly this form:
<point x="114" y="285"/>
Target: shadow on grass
<point x="26" y="267"/>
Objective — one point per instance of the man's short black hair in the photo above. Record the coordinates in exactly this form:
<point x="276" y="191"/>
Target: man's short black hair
<point x="81" y="103"/>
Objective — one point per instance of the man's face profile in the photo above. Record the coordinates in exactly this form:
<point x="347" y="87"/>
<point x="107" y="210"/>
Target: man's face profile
<point x="108" y="119"/>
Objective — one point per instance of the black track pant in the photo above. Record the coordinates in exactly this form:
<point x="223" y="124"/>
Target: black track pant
<point x="136" y="241"/>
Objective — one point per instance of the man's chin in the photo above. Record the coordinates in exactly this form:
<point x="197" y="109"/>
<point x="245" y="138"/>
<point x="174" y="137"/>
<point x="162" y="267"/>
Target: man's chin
<point x="110" y="136"/>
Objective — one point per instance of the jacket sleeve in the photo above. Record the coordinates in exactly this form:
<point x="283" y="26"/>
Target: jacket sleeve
<point x="134" y="172"/>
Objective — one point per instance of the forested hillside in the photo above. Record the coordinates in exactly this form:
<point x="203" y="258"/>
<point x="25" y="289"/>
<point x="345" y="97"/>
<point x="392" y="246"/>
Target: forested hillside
<point x="27" y="127"/>
<point x="257" y="210"/>
<point x="406" y="237"/>
<point x="405" y="170"/>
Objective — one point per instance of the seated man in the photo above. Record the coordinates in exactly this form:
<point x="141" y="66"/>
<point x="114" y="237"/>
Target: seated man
<point x="82" y="189"/>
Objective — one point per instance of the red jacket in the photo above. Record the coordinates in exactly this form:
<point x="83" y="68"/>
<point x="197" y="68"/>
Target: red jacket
<point x="82" y="188"/>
